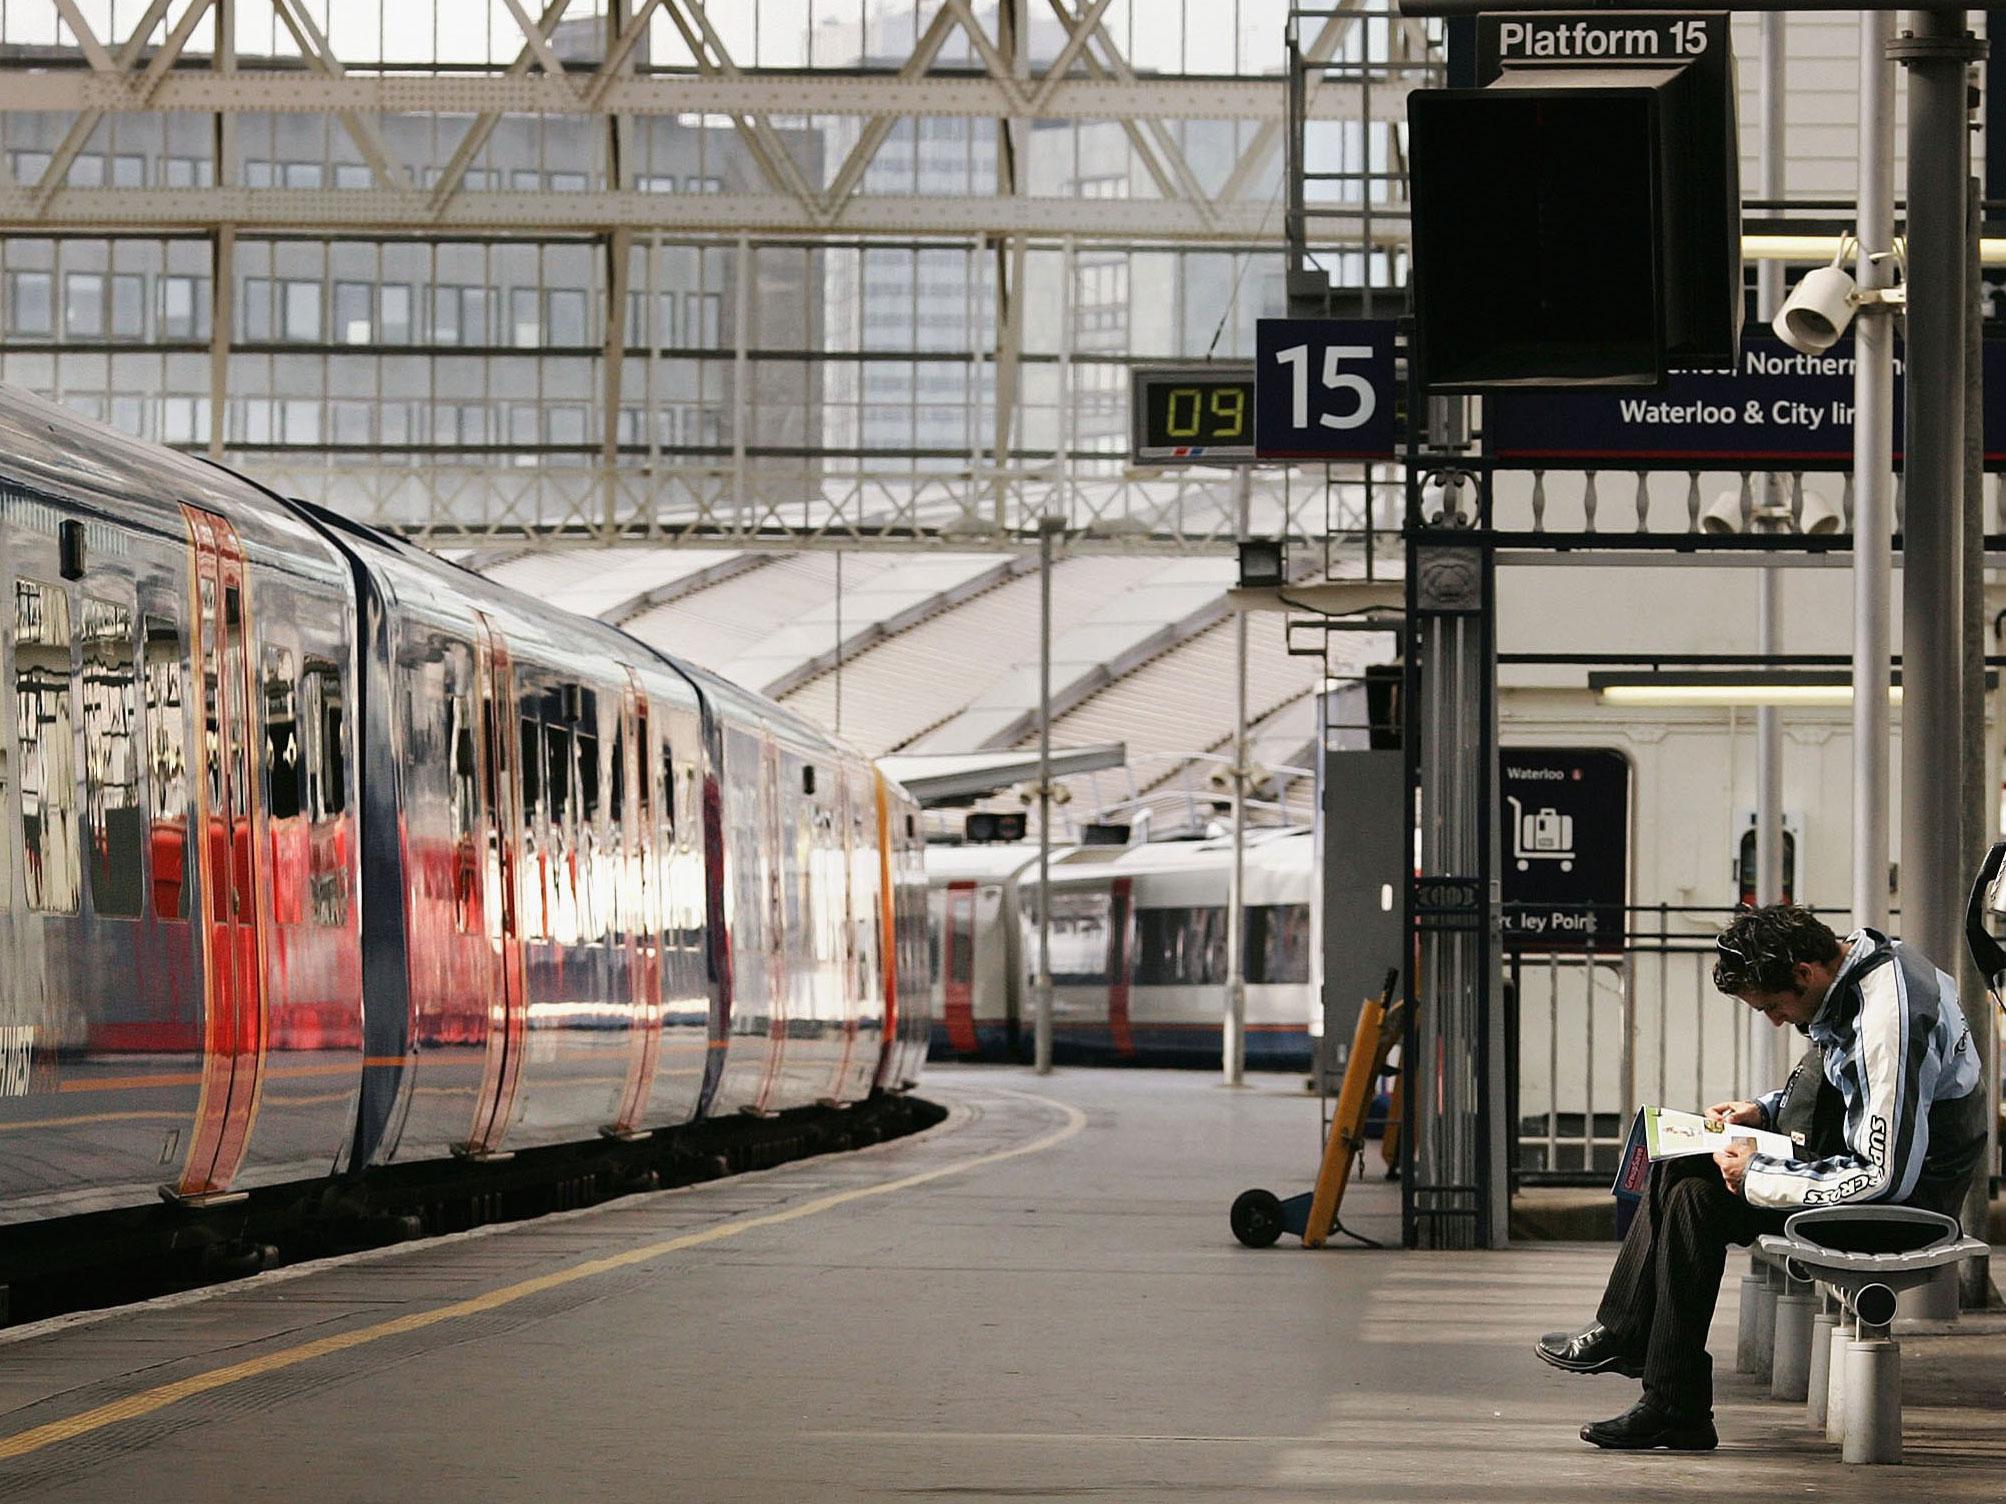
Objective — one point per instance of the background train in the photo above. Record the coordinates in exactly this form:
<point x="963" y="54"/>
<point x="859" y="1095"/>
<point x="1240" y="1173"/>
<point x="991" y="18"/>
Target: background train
<point x="1138" y="950"/>
<point x="320" y="855"/>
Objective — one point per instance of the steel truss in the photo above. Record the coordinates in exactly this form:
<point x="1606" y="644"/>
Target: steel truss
<point x="819" y="193"/>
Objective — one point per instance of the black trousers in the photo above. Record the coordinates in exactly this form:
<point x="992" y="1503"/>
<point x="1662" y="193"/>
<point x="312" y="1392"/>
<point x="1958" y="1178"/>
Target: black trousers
<point x="1666" y="1281"/>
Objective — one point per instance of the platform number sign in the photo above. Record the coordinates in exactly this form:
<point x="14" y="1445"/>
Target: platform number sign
<point x="1324" y="389"/>
<point x="1193" y="414"/>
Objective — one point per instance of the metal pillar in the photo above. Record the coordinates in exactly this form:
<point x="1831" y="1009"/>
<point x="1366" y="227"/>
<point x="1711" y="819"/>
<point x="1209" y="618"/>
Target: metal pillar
<point x="1048" y="530"/>
<point x="1873" y="476"/>
<point x="1936" y="53"/>
<point x="1769" y="584"/>
<point x="1973" y="1283"/>
<point x="1234" y="1035"/>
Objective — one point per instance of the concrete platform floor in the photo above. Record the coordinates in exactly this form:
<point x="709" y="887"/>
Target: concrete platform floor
<point x="1038" y="1300"/>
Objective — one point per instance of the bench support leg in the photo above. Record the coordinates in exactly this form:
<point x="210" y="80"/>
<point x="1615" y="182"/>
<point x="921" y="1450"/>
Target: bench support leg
<point x="1765" y="1327"/>
<point x="1873" y="1399"/>
<point x="1818" y="1386"/>
<point x="1790" y="1370"/>
<point x="1745" y="1340"/>
<point x="1835" y="1382"/>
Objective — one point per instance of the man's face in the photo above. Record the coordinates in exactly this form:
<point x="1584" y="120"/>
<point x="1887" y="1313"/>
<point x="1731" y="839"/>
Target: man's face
<point x="1799" y="1007"/>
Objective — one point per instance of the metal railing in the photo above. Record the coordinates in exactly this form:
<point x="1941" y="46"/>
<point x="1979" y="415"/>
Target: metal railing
<point x="1597" y="1033"/>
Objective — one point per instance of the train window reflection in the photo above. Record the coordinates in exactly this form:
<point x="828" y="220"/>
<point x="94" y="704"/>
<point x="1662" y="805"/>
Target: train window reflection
<point x="167" y="764"/>
<point x="323" y="755"/>
<point x="285" y="770"/>
<point x="1079" y="938"/>
<point x="45" y="722"/>
<point x="111" y="761"/>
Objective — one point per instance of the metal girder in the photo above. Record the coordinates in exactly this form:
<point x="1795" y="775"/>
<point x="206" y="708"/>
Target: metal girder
<point x="342" y="211"/>
<point x="792" y="94"/>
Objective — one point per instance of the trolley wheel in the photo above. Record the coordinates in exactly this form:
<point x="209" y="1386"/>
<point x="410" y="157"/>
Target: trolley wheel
<point x="1257" y="1218"/>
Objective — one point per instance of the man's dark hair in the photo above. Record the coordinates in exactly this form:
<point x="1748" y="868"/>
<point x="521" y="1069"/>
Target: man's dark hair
<point x="1760" y="949"/>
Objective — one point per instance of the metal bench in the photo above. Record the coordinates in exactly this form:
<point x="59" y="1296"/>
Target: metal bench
<point x="1865" y="1256"/>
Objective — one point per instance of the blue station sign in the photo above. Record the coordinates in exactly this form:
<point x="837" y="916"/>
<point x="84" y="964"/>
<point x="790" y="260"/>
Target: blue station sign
<point x="1777" y="409"/>
<point x="1324" y="389"/>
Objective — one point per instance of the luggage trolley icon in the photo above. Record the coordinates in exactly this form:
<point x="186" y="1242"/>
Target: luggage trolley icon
<point x="1545" y="835"/>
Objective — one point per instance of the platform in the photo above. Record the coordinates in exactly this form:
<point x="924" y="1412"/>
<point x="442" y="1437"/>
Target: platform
<point x="1039" y="1299"/>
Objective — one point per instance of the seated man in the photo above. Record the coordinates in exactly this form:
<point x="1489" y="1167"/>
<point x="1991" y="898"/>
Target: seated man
<point x="1901" y="1121"/>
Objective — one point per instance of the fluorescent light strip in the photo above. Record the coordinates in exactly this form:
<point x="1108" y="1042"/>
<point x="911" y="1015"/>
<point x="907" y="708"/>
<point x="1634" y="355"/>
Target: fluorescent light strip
<point x="1725" y="695"/>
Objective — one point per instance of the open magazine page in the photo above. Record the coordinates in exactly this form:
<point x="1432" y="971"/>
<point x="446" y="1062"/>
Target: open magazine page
<point x="1671" y="1135"/>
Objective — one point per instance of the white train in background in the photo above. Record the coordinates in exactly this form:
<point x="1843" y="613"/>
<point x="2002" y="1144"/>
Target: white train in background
<point x="1139" y="955"/>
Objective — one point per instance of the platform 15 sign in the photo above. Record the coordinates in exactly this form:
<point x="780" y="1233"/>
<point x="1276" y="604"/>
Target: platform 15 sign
<point x="1324" y="389"/>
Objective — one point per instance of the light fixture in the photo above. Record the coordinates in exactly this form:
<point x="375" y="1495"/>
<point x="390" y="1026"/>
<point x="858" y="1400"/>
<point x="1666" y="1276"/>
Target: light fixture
<point x="1724" y="688"/>
<point x="1724" y="515"/>
<point x="1263" y="562"/>
<point x="1821" y="515"/>
<point x="1821" y="306"/>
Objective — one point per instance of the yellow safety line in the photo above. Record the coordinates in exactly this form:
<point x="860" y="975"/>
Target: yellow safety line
<point x="147" y="1401"/>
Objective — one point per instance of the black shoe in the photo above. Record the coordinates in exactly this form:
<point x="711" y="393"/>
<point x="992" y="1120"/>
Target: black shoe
<point x="1644" y="1426"/>
<point x="1592" y="1350"/>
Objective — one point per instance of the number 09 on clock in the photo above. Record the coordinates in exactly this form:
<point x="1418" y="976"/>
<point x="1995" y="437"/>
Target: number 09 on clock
<point x="1193" y="414"/>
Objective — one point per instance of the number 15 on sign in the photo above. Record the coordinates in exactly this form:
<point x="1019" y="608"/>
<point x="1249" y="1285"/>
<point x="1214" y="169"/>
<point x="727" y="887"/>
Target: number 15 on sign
<point x="1324" y="389"/>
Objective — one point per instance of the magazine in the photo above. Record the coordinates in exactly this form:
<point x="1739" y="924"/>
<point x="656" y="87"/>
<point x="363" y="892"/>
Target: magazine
<point x="1671" y="1135"/>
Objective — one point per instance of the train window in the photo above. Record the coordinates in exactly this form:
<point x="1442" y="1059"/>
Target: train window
<point x="45" y="724"/>
<point x="465" y="801"/>
<point x="323" y="754"/>
<point x="1079" y="937"/>
<point x="285" y="760"/>
<point x="1278" y="943"/>
<point x="591" y="865"/>
<point x="616" y="799"/>
<point x="167" y="764"/>
<point x="111" y="761"/>
<point x="1183" y="947"/>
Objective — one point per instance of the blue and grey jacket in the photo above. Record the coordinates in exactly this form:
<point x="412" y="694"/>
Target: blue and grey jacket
<point x="1895" y="1043"/>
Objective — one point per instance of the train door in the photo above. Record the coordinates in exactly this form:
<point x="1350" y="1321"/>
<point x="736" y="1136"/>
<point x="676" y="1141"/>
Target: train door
<point x="957" y="967"/>
<point x="636" y="824"/>
<point x="501" y="790"/>
<point x="229" y="863"/>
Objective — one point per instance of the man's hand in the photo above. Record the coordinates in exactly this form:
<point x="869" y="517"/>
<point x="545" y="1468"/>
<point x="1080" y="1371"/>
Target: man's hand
<point x="1733" y="1161"/>
<point x="1747" y="1114"/>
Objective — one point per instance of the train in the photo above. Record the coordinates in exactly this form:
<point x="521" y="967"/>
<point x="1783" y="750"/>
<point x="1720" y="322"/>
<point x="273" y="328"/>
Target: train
<point x="321" y="855"/>
<point x="1138" y="951"/>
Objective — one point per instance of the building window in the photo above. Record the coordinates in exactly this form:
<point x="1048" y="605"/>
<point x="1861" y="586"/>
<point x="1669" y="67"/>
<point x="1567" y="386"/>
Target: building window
<point x="184" y="420"/>
<point x="83" y="305"/>
<point x="128" y="172"/>
<point x="525" y="180"/>
<point x="302" y="312"/>
<point x="566" y="317"/>
<point x="167" y="764"/>
<point x="567" y="424"/>
<point x="111" y="761"/>
<point x="350" y="421"/>
<point x="460" y="315"/>
<point x="86" y="172"/>
<point x="128" y="306"/>
<point x="28" y="166"/>
<point x="184" y="307"/>
<point x="301" y="174"/>
<point x="187" y="172"/>
<point x="703" y="319"/>
<point x="353" y="175"/>
<point x="29" y="303"/>
<point x="352" y="322"/>
<point x="257" y="174"/>
<point x="256" y="316"/>
<point x="705" y="185"/>
<point x="128" y="415"/>
<point x="525" y="325"/>
<point x="567" y="182"/>
<point x="45" y="723"/>
<point x="395" y="306"/>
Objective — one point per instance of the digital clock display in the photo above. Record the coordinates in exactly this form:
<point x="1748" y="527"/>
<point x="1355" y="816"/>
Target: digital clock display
<point x="1193" y="414"/>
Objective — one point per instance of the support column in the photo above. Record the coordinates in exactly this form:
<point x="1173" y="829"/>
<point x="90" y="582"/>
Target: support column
<point x="1873" y="476"/>
<point x="1769" y="585"/>
<point x="1048" y="530"/>
<point x="1936" y="52"/>
<point x="1235" y="1033"/>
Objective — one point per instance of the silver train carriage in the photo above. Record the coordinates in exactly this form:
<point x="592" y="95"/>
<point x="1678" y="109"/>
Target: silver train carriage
<point x="1138" y="950"/>
<point x="318" y="853"/>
